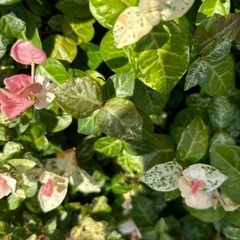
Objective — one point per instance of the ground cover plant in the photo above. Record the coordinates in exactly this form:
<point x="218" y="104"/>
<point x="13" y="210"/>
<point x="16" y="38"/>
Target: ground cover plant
<point x="119" y="119"/>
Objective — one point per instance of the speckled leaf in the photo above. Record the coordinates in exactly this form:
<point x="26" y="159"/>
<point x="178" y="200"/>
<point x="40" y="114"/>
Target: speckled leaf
<point x="163" y="177"/>
<point x="120" y="119"/>
<point x="79" y="97"/>
<point x="226" y="159"/>
<point x="196" y="72"/>
<point x="22" y="165"/>
<point x="220" y="77"/>
<point x="161" y="57"/>
<point x="221" y="112"/>
<point x="193" y="142"/>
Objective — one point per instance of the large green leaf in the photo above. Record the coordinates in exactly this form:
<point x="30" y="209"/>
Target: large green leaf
<point x="161" y="58"/>
<point x="120" y="119"/>
<point x="220" y="77"/>
<point x="211" y="10"/>
<point x="79" y="97"/>
<point x="226" y="159"/>
<point x="193" y="142"/>
<point x="106" y="12"/>
<point x="53" y="69"/>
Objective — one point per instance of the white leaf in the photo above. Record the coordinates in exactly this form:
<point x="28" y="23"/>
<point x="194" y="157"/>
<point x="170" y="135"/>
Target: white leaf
<point x="163" y="177"/>
<point x="50" y="199"/>
<point x="83" y="182"/>
<point x="171" y="9"/>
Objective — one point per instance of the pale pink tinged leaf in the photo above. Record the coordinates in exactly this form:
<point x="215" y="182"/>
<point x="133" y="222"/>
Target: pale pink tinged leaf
<point x="17" y="83"/>
<point x="47" y="188"/>
<point x="171" y="9"/>
<point x="58" y="192"/>
<point x="7" y="185"/>
<point x="26" y="53"/>
<point x="30" y="91"/>
<point x="131" y="25"/>
<point x="46" y="95"/>
<point x="12" y="105"/>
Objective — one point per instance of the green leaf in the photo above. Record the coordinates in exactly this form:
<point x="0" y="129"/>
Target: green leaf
<point x="108" y="146"/>
<point x="10" y="149"/>
<point x="41" y="8"/>
<point x="73" y="8"/>
<point x="221" y="112"/>
<point x="54" y="120"/>
<point x="32" y="222"/>
<point x="115" y="58"/>
<point x="89" y="126"/>
<point x="220" y="77"/>
<point x="100" y="10"/>
<point x="211" y="10"/>
<point x="100" y="206"/>
<point x="143" y="212"/>
<point x="231" y="232"/>
<point x="79" y="97"/>
<point x="94" y="58"/>
<point x="77" y="29"/>
<point x="163" y="177"/>
<point x="193" y="142"/>
<point x="11" y="25"/>
<point x="55" y="22"/>
<point x="147" y="99"/>
<point x="35" y="136"/>
<point x="209" y="215"/>
<point x="119" y="118"/>
<point x="60" y="47"/>
<point x="3" y="47"/>
<point x="221" y="138"/>
<point x="4" y="228"/>
<point x="218" y="49"/>
<point x="161" y="58"/>
<point x="53" y="69"/>
<point x="15" y="199"/>
<point x="22" y="165"/>
<point x="226" y="159"/>
<point x="119" y="85"/>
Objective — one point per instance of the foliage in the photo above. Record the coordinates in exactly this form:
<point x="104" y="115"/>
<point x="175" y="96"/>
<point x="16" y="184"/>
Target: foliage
<point x="119" y="119"/>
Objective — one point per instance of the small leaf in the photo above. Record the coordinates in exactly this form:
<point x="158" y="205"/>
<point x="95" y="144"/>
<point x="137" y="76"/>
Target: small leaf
<point x="22" y="165"/>
<point x="163" y="177"/>
<point x="119" y="118"/>
<point x="143" y="212"/>
<point x="79" y="97"/>
<point x="226" y="159"/>
<point x="108" y="146"/>
<point x="120" y="85"/>
<point x="221" y="112"/>
<point x="11" y="26"/>
<point x="193" y="142"/>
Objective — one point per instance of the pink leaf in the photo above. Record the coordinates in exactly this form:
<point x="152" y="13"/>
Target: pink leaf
<point x="47" y="188"/>
<point x="12" y="105"/>
<point x="30" y="91"/>
<point x="17" y="83"/>
<point x="26" y="53"/>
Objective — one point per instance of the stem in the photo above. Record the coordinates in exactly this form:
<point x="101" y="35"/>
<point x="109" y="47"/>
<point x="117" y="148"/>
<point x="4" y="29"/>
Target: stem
<point x="32" y="70"/>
